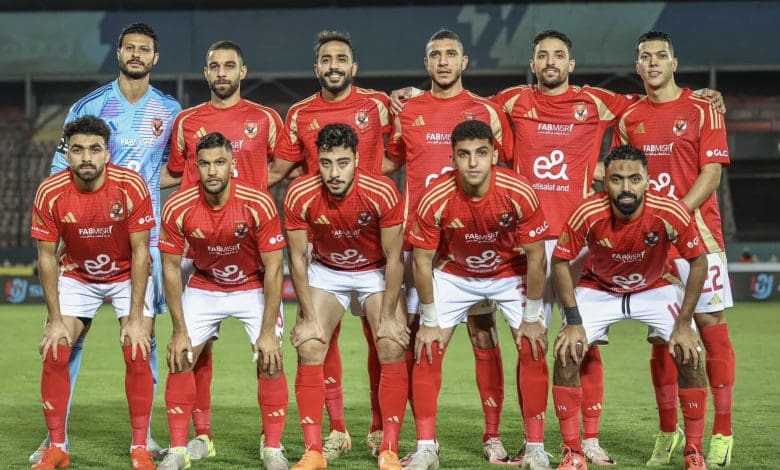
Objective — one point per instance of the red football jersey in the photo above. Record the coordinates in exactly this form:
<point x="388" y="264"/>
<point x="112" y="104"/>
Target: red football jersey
<point x="629" y="256"/>
<point x="225" y="243"/>
<point x="478" y="238"/>
<point x="95" y="227"/>
<point x="345" y="232"/>
<point x="421" y="137"/>
<point x="254" y="131"/>
<point x="679" y="137"/>
<point x="367" y="111"/>
<point x="558" y="141"/>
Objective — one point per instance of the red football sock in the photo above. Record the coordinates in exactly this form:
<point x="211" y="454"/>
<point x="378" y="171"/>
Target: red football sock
<point x="310" y="397"/>
<point x="694" y="408"/>
<point x="409" y="358"/>
<point x="334" y="394"/>
<point x="392" y="399"/>
<point x="426" y="380"/>
<point x="532" y="384"/>
<point x="201" y="414"/>
<point x="179" y="400"/>
<point x="490" y="383"/>
<point x="664" y="374"/>
<point x="721" y="365"/>
<point x="139" y="388"/>
<point x="374" y="373"/>
<point x="55" y="392"/>
<point x="592" y="380"/>
<point x="568" y="401"/>
<point x="272" y="396"/>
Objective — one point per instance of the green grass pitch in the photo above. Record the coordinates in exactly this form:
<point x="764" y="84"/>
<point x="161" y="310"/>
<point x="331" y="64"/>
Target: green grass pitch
<point x="100" y="434"/>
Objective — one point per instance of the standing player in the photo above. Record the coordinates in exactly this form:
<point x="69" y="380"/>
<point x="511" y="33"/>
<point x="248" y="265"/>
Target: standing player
<point x="421" y="141"/>
<point x="140" y="118"/>
<point x="367" y="111"/>
<point x="103" y="214"/>
<point x="629" y="232"/>
<point x="354" y="221"/>
<point x="485" y="227"/>
<point x="684" y="138"/>
<point x="254" y="131"/>
<point x="234" y="234"/>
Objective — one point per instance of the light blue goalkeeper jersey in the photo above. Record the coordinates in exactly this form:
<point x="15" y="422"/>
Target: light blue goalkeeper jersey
<point x="140" y="134"/>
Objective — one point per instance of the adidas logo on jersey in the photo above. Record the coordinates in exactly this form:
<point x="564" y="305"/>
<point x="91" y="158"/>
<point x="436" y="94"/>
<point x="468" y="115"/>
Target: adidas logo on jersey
<point x="419" y="121"/>
<point x="197" y="234"/>
<point x="322" y="220"/>
<point x="531" y="114"/>
<point x="314" y="125"/>
<point x="605" y="243"/>
<point x="640" y="129"/>
<point x="456" y="224"/>
<point x="69" y="218"/>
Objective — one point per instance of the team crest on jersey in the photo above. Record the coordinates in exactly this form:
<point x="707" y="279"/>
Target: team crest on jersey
<point x="361" y="119"/>
<point x="250" y="129"/>
<point x="680" y="126"/>
<point x="505" y="219"/>
<point x="651" y="238"/>
<point x="157" y="127"/>
<point x="564" y="238"/>
<point x="580" y="112"/>
<point x="241" y="230"/>
<point x="117" y="211"/>
<point x="364" y="218"/>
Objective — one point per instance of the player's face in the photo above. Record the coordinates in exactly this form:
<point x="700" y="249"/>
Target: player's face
<point x="136" y="56"/>
<point x="626" y="183"/>
<point x="552" y="63"/>
<point x="335" y="67"/>
<point x="474" y="160"/>
<point x="215" y="165"/>
<point x="224" y="72"/>
<point x="337" y="170"/>
<point x="445" y="62"/>
<point x="87" y="156"/>
<point x="656" y="64"/>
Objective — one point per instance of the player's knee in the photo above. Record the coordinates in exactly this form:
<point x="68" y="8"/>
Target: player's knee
<point x="690" y="375"/>
<point x="388" y="351"/>
<point x="482" y="332"/>
<point x="312" y="352"/>
<point x="568" y="375"/>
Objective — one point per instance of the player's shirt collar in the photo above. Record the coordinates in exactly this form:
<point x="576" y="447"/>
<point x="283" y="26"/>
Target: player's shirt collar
<point x="121" y="97"/>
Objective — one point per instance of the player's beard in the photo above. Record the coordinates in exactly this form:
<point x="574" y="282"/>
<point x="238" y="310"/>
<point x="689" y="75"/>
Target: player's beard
<point x="337" y="88"/>
<point x="344" y="190"/>
<point x="449" y="84"/>
<point x="553" y="82"/>
<point x="135" y="74"/>
<point x="216" y="190"/>
<point x="90" y="175"/>
<point x="224" y="93"/>
<point x="627" y="208"/>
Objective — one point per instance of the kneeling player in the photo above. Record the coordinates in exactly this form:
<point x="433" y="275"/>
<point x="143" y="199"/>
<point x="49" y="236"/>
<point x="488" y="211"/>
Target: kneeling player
<point x="103" y="214"/>
<point x="629" y="232"/>
<point x="355" y="221"/>
<point x="234" y="235"/>
<point x="471" y="220"/>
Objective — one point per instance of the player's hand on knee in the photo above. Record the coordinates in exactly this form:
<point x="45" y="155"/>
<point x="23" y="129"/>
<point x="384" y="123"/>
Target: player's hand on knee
<point x="179" y="351"/>
<point x="53" y="332"/>
<point x="268" y="350"/>
<point x="395" y="330"/>
<point x="426" y="336"/>
<point x="305" y="330"/>
<point x="536" y="334"/>
<point x="134" y="333"/>
<point x="570" y="343"/>
<point x="685" y="341"/>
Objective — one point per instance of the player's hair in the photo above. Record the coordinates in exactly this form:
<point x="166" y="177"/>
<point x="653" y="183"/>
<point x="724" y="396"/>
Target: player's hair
<point x="137" y="28"/>
<point x="335" y="136"/>
<point x="655" y="36"/>
<point x="445" y="34"/>
<point x="214" y="140"/>
<point x="87" y="125"/>
<point x="226" y="46"/>
<point x="625" y="152"/>
<point x="471" y="129"/>
<point x="329" y="35"/>
<point x="552" y="34"/>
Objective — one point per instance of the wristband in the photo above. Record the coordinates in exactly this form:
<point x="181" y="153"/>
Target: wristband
<point x="572" y="315"/>
<point x="533" y="310"/>
<point x="428" y="315"/>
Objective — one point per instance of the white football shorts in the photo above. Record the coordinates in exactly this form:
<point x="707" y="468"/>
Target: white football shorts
<point x="343" y="283"/>
<point x="78" y="299"/>
<point x="716" y="294"/>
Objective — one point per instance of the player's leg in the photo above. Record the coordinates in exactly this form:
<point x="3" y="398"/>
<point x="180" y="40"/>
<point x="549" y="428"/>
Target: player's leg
<point x="412" y="301"/>
<point x="374" y="438"/>
<point x="139" y="382"/>
<point x="338" y="440"/>
<point x="393" y="382"/>
<point x="201" y="446"/>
